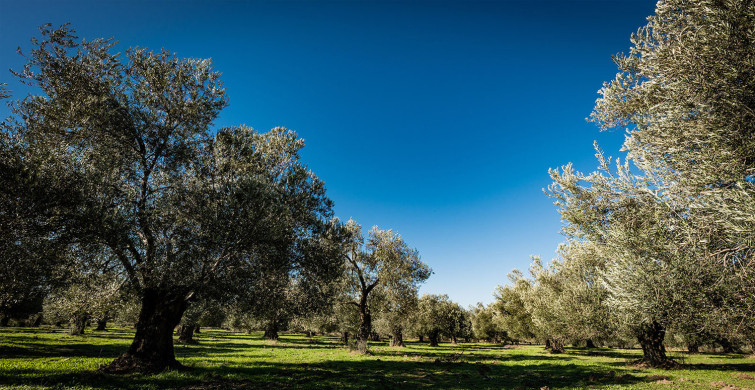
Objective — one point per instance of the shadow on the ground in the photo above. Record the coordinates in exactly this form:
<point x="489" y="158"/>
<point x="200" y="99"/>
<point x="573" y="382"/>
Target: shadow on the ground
<point x="342" y="374"/>
<point x="417" y="366"/>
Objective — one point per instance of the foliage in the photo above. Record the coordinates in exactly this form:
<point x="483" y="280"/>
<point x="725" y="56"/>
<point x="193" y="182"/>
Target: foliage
<point x="184" y="211"/>
<point x="386" y="264"/>
<point x="438" y="317"/>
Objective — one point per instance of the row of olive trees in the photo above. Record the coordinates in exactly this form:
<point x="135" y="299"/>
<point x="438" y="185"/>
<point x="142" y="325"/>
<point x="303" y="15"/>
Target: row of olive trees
<point x="665" y="240"/>
<point x="115" y="193"/>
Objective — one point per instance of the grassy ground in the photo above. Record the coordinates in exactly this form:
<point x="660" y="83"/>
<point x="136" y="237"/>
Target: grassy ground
<point x="44" y="358"/>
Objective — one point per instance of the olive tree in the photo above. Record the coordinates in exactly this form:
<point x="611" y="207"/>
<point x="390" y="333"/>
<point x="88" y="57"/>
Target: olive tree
<point x="182" y="208"/>
<point x="509" y="305"/>
<point x="684" y="93"/>
<point x="438" y="317"/>
<point x="386" y="262"/>
<point x="485" y="325"/>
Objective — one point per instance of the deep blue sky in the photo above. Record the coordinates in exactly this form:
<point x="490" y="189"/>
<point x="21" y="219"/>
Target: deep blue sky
<point x="436" y="119"/>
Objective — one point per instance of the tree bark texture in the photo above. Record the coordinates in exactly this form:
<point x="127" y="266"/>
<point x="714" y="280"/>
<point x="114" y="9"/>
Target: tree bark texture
<point x="78" y="325"/>
<point x="398" y="337"/>
<point x="365" y="326"/>
<point x="271" y="330"/>
<point x="186" y="334"/>
<point x="152" y="348"/>
<point x="555" y="345"/>
<point x="434" y="337"/>
<point x="651" y="336"/>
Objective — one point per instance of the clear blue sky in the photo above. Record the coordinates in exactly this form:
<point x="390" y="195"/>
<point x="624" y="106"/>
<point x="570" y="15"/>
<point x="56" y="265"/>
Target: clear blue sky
<point x="436" y="119"/>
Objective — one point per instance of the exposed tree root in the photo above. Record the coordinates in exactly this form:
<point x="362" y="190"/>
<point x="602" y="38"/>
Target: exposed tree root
<point x="128" y="363"/>
<point x="669" y="364"/>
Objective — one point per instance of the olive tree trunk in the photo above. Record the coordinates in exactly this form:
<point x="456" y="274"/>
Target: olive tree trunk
<point x="101" y="324"/>
<point x="434" y="337"/>
<point x="152" y="347"/>
<point x="78" y="324"/>
<point x="555" y="345"/>
<point x="650" y="337"/>
<point x="186" y="334"/>
<point x="398" y="336"/>
<point x="271" y="330"/>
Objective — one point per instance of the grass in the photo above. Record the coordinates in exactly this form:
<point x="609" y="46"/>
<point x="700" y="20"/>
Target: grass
<point x="48" y="358"/>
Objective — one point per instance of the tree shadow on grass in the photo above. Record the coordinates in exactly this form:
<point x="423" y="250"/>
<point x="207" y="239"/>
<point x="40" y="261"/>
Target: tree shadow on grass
<point x="47" y="350"/>
<point x="341" y="374"/>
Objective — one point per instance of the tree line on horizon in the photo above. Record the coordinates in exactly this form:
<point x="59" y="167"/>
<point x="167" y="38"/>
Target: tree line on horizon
<point x="119" y="202"/>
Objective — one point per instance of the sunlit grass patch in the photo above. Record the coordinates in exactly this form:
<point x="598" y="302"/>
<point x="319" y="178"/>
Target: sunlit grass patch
<point x="48" y="358"/>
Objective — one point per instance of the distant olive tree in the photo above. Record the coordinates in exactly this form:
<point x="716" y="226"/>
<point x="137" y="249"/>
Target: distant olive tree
<point x="386" y="263"/>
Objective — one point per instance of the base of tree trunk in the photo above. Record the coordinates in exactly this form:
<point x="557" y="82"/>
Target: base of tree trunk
<point x="345" y="338"/>
<point x="151" y="351"/>
<point x="271" y="334"/>
<point x="127" y="363"/>
<point x="728" y="346"/>
<point x="101" y="324"/>
<point x="398" y="338"/>
<point x="78" y="326"/>
<point x="186" y="334"/>
<point x="196" y="330"/>
<point x="555" y="346"/>
<point x="650" y="337"/>
<point x="590" y="344"/>
<point x="434" y="340"/>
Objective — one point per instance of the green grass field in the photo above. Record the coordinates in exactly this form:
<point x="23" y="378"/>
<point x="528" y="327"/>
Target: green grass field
<point x="48" y="358"/>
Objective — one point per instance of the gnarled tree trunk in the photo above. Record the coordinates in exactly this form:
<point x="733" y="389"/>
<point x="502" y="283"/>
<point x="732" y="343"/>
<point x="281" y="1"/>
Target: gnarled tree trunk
<point x="101" y="323"/>
<point x="728" y="346"/>
<point x="345" y="337"/>
<point x="186" y="334"/>
<point x="555" y="345"/>
<point x="398" y="336"/>
<point x="365" y="327"/>
<point x="434" y="337"/>
<point x="589" y="344"/>
<point x="78" y="325"/>
<point x="271" y="330"/>
<point x="152" y="348"/>
<point x="650" y="337"/>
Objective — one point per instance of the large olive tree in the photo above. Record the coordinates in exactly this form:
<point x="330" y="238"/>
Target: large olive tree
<point x="183" y="209"/>
<point x="676" y="235"/>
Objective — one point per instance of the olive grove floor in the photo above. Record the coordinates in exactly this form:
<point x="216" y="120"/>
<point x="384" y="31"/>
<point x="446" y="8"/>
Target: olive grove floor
<point x="32" y="358"/>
